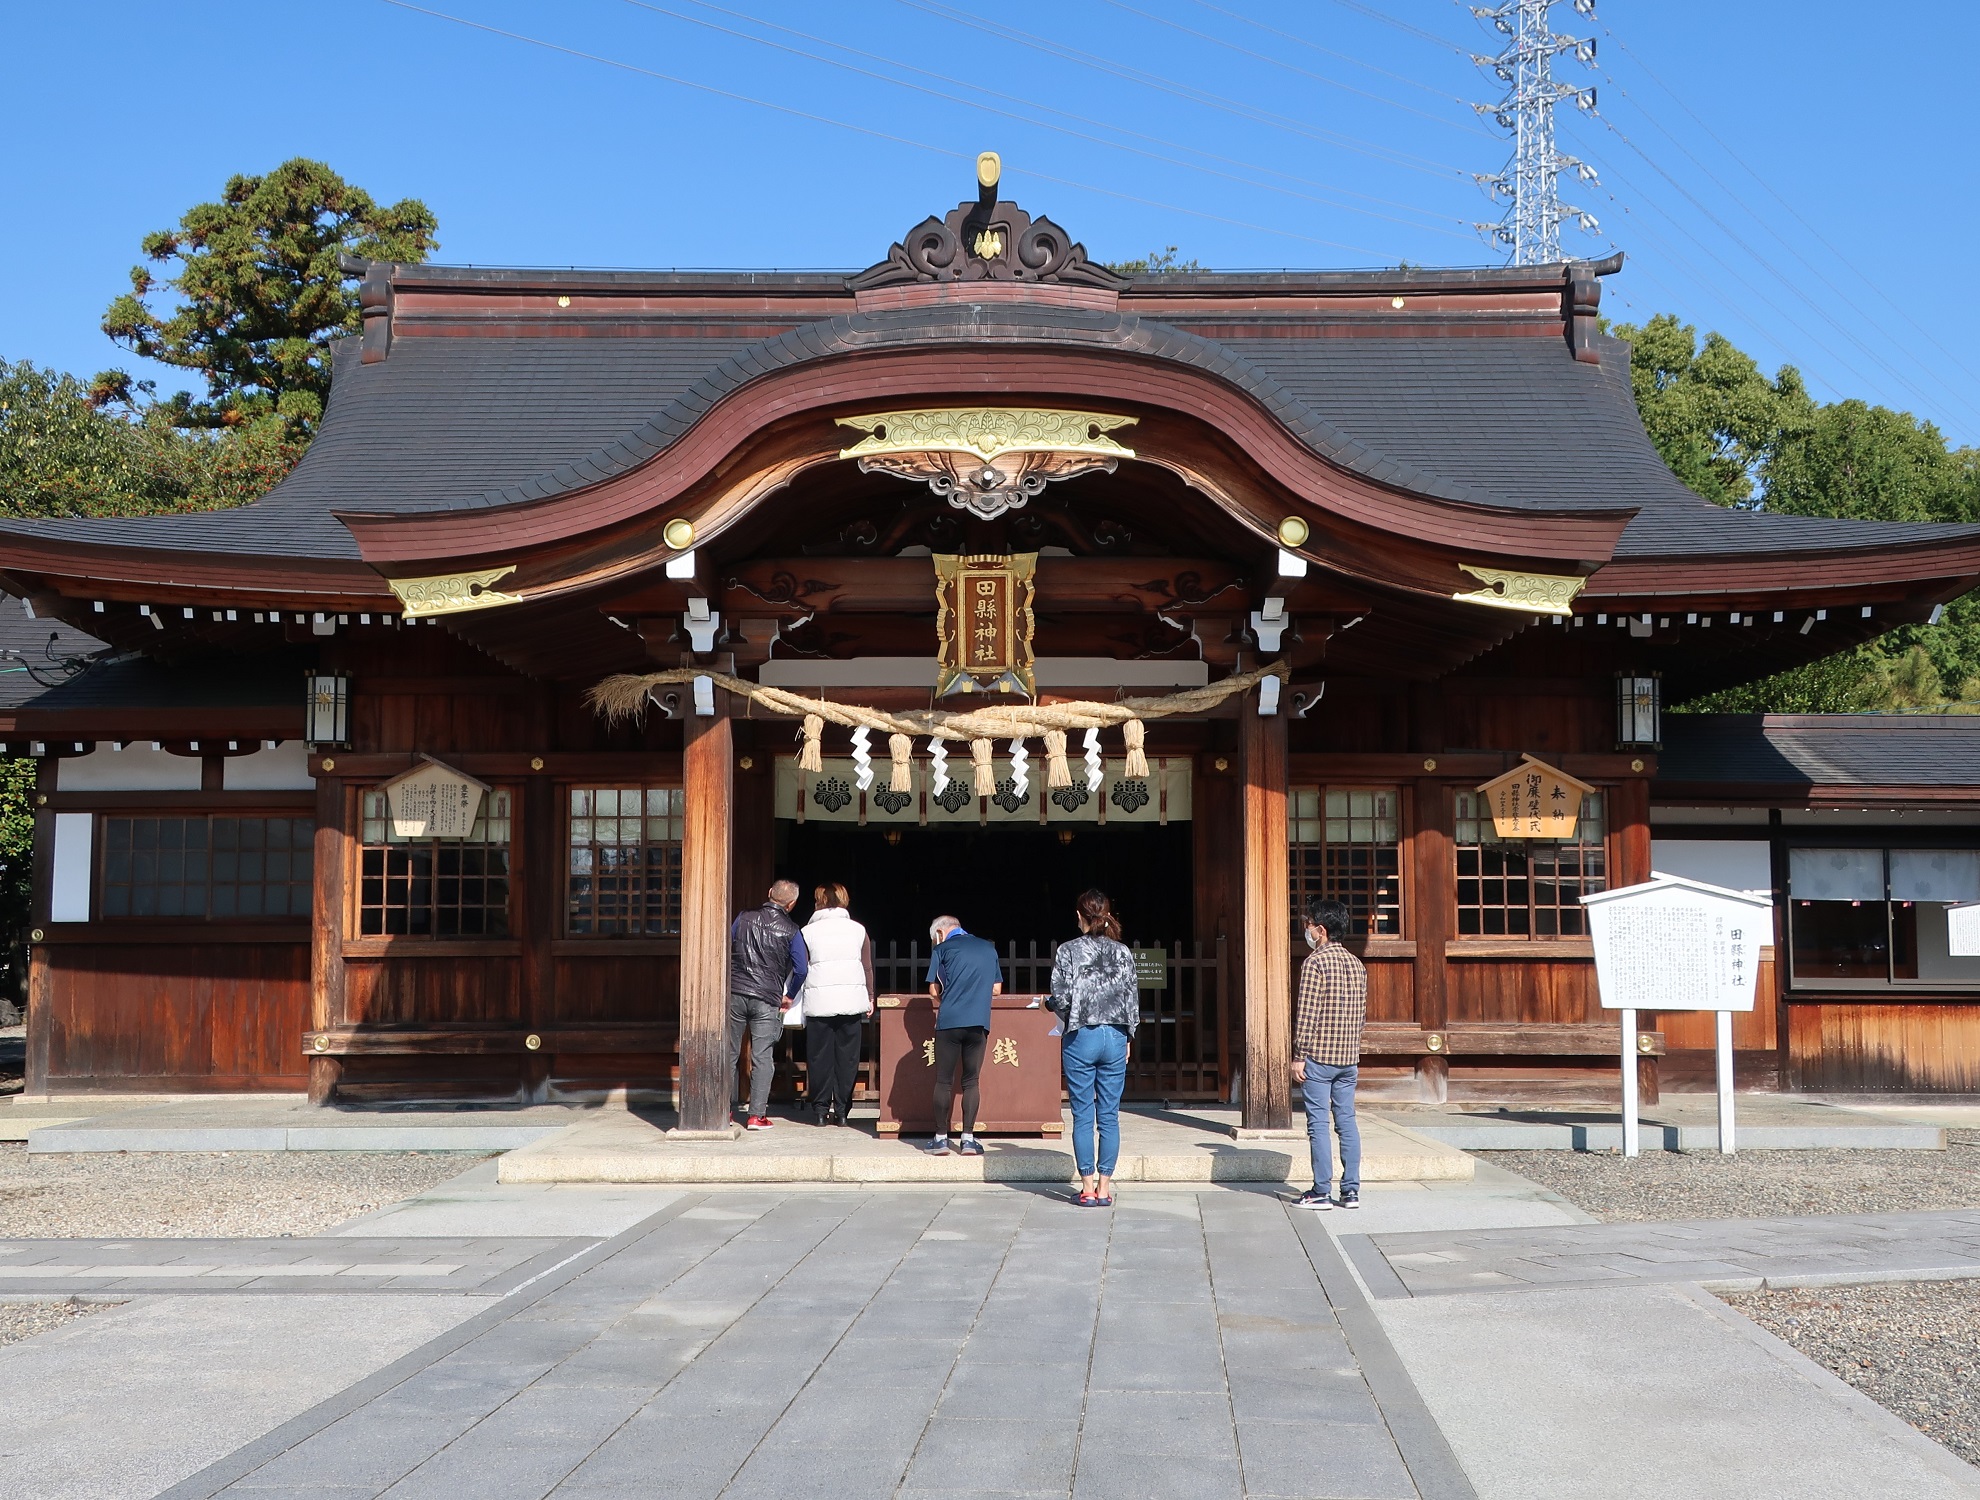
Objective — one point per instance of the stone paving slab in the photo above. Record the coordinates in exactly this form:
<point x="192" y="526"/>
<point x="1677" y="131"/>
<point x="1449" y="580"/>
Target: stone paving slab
<point x="789" y="1343"/>
<point x="490" y="1266"/>
<point x="1157" y="1145"/>
<point x="1733" y="1254"/>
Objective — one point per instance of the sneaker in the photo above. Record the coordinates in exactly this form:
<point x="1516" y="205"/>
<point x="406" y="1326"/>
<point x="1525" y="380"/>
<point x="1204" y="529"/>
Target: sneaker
<point x="758" y="1122"/>
<point x="971" y="1146"/>
<point x="1315" y="1198"/>
<point x="1350" y="1197"/>
<point x="939" y="1146"/>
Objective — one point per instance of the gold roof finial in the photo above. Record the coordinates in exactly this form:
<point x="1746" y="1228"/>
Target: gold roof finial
<point x="989" y="167"/>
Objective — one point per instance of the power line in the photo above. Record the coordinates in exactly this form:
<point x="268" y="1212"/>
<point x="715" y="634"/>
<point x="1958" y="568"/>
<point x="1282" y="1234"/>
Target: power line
<point x="1287" y="123"/>
<point x="1279" y="62"/>
<point x="1346" y="57"/>
<point x="1040" y="124"/>
<point x="866" y="130"/>
<point x="1416" y="31"/>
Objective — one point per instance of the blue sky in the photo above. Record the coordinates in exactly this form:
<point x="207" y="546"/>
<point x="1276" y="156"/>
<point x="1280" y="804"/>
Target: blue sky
<point x="1777" y="169"/>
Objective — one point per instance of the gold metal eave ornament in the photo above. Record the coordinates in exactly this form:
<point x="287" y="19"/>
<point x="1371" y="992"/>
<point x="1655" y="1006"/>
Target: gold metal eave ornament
<point x="987" y="432"/>
<point x="1528" y="593"/>
<point x="453" y="593"/>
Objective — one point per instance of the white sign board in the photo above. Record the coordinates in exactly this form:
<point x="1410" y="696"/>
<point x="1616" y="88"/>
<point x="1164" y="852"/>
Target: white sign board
<point x="1963" y="931"/>
<point x="1677" y="944"/>
<point x="434" y="802"/>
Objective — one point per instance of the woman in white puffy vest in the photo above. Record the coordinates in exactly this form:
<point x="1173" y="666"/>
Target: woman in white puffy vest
<point x="837" y="997"/>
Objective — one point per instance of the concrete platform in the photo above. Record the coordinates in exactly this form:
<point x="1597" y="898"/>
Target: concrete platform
<point x="283" y="1123"/>
<point x="1680" y="1122"/>
<point x="1157" y="1145"/>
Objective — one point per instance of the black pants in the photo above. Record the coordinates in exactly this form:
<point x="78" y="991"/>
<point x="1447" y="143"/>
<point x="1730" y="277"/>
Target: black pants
<point x="831" y="1061"/>
<point x="960" y="1047"/>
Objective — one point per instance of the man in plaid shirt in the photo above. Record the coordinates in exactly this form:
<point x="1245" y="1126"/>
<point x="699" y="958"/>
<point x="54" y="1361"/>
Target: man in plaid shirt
<point x="1327" y="1018"/>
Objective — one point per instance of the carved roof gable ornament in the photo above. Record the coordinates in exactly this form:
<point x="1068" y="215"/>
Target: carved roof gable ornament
<point x="986" y="460"/>
<point x="987" y="240"/>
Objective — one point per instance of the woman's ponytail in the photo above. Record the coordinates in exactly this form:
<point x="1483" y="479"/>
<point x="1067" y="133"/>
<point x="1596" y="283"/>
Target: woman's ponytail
<point x="1096" y="912"/>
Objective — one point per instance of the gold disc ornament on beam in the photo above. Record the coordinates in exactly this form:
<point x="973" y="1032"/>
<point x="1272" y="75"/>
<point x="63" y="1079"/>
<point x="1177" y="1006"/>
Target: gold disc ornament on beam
<point x="984" y="623"/>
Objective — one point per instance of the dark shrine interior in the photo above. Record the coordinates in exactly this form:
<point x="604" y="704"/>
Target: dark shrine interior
<point x="1006" y="884"/>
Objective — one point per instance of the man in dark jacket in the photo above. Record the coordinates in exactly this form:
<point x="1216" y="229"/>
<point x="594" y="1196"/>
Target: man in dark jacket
<point x="767" y="965"/>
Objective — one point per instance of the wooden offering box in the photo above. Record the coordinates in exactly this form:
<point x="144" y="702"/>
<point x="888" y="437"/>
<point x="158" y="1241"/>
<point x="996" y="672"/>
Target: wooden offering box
<point x="1019" y="1083"/>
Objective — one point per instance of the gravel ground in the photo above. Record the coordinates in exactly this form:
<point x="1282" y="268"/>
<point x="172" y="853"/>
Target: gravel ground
<point x="1912" y="1347"/>
<point x="1755" y="1184"/>
<point x="195" y="1193"/>
<point x="23" y="1320"/>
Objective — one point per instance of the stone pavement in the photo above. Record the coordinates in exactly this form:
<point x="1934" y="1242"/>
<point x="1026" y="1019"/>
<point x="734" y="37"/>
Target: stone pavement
<point x="1726" y="1254"/>
<point x="71" y="1267"/>
<point x="790" y="1344"/>
<point x="1678" y="1122"/>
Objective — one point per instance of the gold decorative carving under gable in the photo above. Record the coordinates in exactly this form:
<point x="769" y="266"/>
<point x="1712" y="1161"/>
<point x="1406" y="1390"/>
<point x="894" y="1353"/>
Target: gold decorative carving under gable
<point x="1529" y="593"/>
<point x="986" y="460"/>
<point x="453" y="593"/>
<point x="987" y="431"/>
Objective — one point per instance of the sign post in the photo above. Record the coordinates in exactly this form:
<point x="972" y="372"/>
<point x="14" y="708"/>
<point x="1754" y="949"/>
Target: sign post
<point x="1677" y="944"/>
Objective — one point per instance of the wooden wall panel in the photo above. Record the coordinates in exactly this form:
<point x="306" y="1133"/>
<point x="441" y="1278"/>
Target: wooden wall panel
<point x="1847" y="1048"/>
<point x="178" y="1017"/>
<point x="432" y="991"/>
<point x="1514" y="989"/>
<point x="613" y="988"/>
<point x="1391" y="989"/>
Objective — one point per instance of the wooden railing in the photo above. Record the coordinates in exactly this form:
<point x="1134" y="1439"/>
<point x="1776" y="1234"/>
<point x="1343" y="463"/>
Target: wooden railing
<point x="1181" y="1049"/>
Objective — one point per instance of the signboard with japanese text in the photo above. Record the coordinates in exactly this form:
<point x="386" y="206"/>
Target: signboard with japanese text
<point x="433" y="801"/>
<point x="1677" y="944"/>
<point x="984" y="623"/>
<point x="1534" y="801"/>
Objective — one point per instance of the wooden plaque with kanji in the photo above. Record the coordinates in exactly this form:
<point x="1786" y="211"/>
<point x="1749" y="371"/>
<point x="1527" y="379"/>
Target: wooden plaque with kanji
<point x="984" y="623"/>
<point x="1535" y="801"/>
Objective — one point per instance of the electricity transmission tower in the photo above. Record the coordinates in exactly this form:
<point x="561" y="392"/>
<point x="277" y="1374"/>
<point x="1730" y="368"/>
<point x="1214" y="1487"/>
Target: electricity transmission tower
<point x="1529" y="184"/>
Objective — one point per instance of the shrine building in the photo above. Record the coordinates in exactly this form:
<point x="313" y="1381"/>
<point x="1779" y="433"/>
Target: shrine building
<point x="1346" y="575"/>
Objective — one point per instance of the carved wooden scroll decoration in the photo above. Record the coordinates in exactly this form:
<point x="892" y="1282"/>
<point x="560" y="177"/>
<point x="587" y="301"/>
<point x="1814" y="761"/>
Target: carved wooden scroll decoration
<point x="986" y="460"/>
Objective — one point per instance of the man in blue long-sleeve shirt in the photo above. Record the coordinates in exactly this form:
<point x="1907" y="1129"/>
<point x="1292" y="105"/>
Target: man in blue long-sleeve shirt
<point x="767" y="964"/>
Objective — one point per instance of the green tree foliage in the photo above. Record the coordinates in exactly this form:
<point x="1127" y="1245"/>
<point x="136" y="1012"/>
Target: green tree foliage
<point x="1154" y="261"/>
<point x="65" y="452"/>
<point x="259" y="293"/>
<point x="1740" y="439"/>
<point x="16" y="879"/>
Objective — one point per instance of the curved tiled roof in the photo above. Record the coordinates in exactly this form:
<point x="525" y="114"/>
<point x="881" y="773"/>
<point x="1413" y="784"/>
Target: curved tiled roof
<point x="480" y="422"/>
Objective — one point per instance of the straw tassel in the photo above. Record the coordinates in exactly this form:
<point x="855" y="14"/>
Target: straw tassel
<point x="900" y="750"/>
<point x="1057" y="772"/>
<point x="1135" y="732"/>
<point x="812" y="757"/>
<point x="986" y="778"/>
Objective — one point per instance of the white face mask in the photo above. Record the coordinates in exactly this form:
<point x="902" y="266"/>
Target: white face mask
<point x="1313" y="937"/>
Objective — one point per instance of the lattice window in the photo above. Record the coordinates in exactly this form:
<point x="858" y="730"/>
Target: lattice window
<point x="625" y="861"/>
<point x="221" y="868"/>
<point x="1527" y="888"/>
<point x="440" y="888"/>
<point x="1346" y="846"/>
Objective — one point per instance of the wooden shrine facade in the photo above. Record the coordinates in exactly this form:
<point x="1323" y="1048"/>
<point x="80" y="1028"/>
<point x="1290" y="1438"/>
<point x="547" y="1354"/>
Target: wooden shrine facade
<point x="527" y="481"/>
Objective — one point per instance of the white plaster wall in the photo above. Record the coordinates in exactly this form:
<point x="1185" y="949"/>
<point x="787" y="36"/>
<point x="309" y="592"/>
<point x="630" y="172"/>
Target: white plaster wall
<point x="283" y="769"/>
<point x="69" y="896"/>
<point x="135" y="768"/>
<point x="1736" y="864"/>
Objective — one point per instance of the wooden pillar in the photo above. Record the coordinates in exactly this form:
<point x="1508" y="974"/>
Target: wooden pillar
<point x="1267" y="922"/>
<point x="326" y="947"/>
<point x="41" y="982"/>
<point x="544" y="859"/>
<point x="1629" y="849"/>
<point x="708" y="777"/>
<point x="1432" y="908"/>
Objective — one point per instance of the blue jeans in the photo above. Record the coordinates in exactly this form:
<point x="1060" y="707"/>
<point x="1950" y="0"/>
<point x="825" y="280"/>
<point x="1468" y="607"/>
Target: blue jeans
<point x="1330" y="1089"/>
<point x="1095" y="1060"/>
